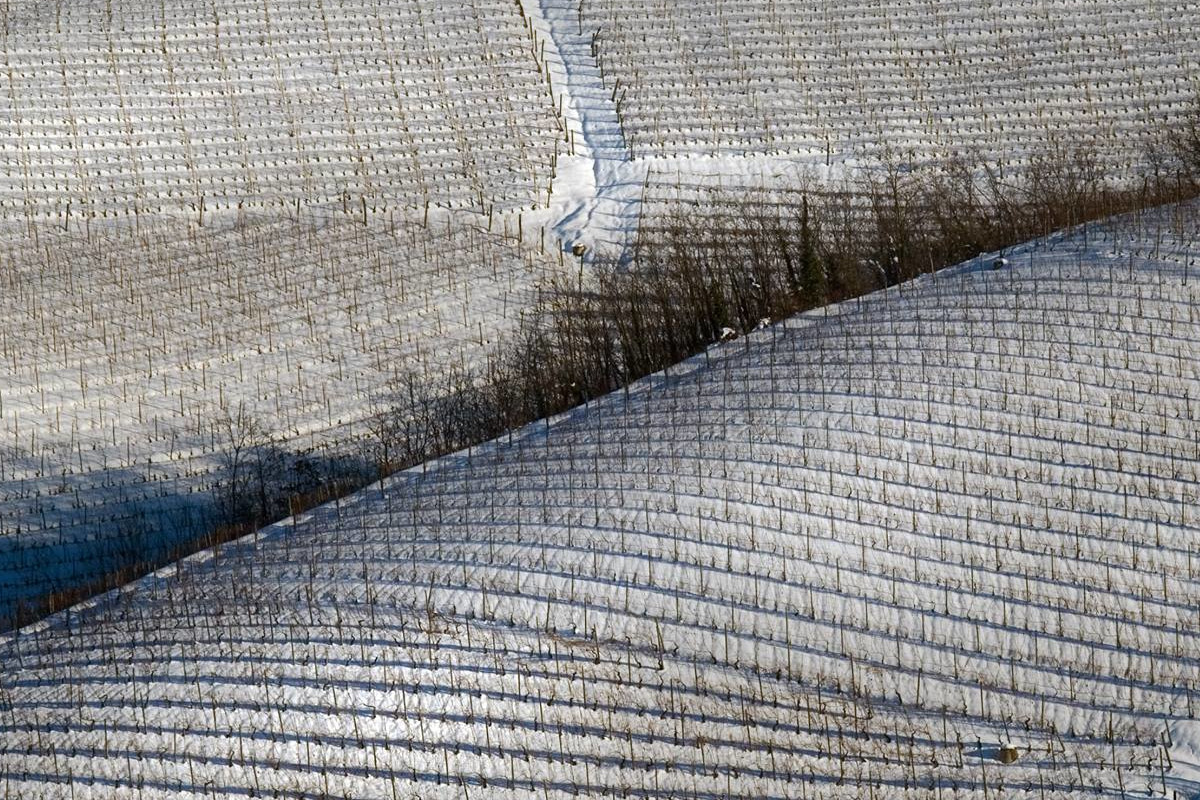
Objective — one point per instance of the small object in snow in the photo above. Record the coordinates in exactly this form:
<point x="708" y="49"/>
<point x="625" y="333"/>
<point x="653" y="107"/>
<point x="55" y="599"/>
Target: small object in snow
<point x="1000" y="263"/>
<point x="1007" y="754"/>
<point x="765" y="322"/>
<point x="728" y="335"/>
<point x="578" y="249"/>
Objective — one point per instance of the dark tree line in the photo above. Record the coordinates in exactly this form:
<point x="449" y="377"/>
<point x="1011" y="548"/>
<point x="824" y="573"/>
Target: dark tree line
<point x="697" y="275"/>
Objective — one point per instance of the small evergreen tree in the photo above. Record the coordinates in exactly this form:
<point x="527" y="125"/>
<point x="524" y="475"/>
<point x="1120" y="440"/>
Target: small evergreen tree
<point x="812" y="270"/>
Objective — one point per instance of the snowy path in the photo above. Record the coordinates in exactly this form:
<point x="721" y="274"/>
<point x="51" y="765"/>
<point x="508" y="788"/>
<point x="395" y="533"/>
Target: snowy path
<point x="601" y="184"/>
<point x="597" y="188"/>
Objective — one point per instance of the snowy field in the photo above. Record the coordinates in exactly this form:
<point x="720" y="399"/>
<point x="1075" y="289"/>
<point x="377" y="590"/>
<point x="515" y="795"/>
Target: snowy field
<point x="909" y="79"/>
<point x="870" y="552"/>
<point x="155" y="156"/>
<point x="221" y="206"/>
<point x="115" y="109"/>
<point x="777" y="93"/>
<point x="121" y="360"/>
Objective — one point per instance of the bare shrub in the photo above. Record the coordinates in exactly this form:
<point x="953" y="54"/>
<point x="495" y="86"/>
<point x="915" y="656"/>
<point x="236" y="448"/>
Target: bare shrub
<point x="246" y="458"/>
<point x="697" y="277"/>
<point x="1185" y="145"/>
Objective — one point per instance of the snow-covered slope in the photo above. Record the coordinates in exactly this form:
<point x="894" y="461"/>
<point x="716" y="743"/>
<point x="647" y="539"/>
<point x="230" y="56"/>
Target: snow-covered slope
<point x="916" y="79"/>
<point x="856" y="554"/>
<point x="124" y="355"/>
<point x="216" y="206"/>
<point x="133" y="124"/>
<point x="669" y="100"/>
<point x="111" y="109"/>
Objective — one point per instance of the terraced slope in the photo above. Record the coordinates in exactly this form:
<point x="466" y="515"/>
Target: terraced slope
<point x="216" y="207"/>
<point x="849" y="556"/>
<point x="905" y="79"/>
<point x="673" y="100"/>
<point x="111" y="109"/>
<point x="138" y="368"/>
<point x="128" y="120"/>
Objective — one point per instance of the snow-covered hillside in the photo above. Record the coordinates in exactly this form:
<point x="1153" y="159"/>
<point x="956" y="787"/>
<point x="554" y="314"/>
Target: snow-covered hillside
<point x="142" y="129"/>
<point x="913" y="79"/>
<point x="861" y="553"/>
<point x="124" y="358"/>
<point x="111" y="109"/>
<point x="669" y="100"/>
<point x="216" y="207"/>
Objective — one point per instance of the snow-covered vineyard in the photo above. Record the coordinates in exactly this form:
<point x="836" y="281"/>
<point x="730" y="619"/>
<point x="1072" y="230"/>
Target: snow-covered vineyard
<point x="777" y="93"/>
<point x="909" y="79"/>
<point x="132" y="133"/>
<point x="940" y="542"/>
<point x="875" y="551"/>
<point x="214" y="207"/>
<point x="121" y="358"/>
<point x="111" y="109"/>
